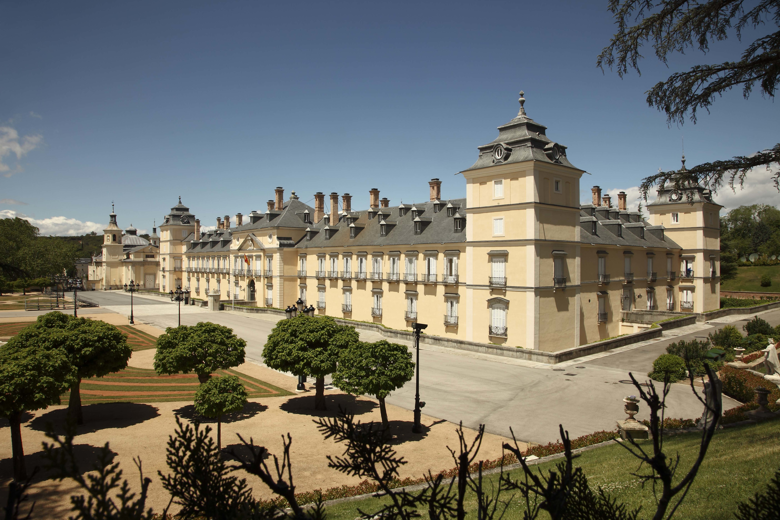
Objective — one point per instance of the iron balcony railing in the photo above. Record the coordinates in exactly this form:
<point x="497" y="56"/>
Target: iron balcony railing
<point x="671" y="276"/>
<point x="652" y="277"/>
<point x="236" y="272"/>
<point x="346" y="307"/>
<point x="629" y="277"/>
<point x="429" y="278"/>
<point x="603" y="279"/>
<point x="320" y="274"/>
<point x="411" y="316"/>
<point x="376" y="312"/>
<point x="177" y="268"/>
<point x="360" y="275"/>
<point x="497" y="331"/>
<point x="269" y="302"/>
<point x="333" y="275"/>
<point x="269" y="273"/>
<point x="687" y="274"/>
<point x="450" y="320"/>
<point x="410" y="277"/>
<point x="686" y="305"/>
<point x="320" y="305"/>
<point x="376" y="276"/>
<point x="559" y="283"/>
<point x="450" y="279"/>
<point x="393" y="277"/>
<point x="498" y="281"/>
<point x="346" y="275"/>
<point x="301" y="273"/>
<point x="602" y="317"/>
<point x="669" y="306"/>
<point x="258" y="272"/>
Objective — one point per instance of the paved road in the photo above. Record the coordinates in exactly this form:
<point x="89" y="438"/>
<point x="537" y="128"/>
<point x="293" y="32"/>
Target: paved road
<point x="531" y="398"/>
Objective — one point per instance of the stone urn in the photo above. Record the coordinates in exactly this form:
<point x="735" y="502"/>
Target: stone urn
<point x="740" y="352"/>
<point x="631" y="406"/>
<point x="762" y="395"/>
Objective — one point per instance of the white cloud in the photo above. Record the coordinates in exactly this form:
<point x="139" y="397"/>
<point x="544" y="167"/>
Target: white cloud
<point x="13" y="202"/>
<point x="11" y="143"/>
<point x="633" y="198"/>
<point x="59" y="226"/>
<point x="759" y="188"/>
<point x="36" y="116"/>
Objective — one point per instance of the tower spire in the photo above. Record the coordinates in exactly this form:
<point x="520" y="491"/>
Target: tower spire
<point x="522" y="113"/>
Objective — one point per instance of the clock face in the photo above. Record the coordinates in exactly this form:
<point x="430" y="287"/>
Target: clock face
<point x="674" y="196"/>
<point x="498" y="152"/>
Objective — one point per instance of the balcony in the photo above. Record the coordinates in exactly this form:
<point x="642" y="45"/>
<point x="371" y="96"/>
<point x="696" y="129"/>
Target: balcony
<point x="559" y="283"/>
<point x="497" y="281"/>
<point x="376" y="276"/>
<point x="603" y="279"/>
<point x="346" y="307"/>
<point x="652" y="277"/>
<point x="687" y="274"/>
<point x="320" y="274"/>
<point x="450" y="321"/>
<point x="376" y="312"/>
<point x="177" y="268"/>
<point x="629" y="278"/>
<point x="497" y="331"/>
<point x="301" y="273"/>
<point x="258" y="273"/>
<point x="411" y="316"/>
<point x="602" y="317"/>
<point x="686" y="306"/>
<point x="671" y="276"/>
<point x="393" y="277"/>
<point x="269" y="302"/>
<point x="346" y="275"/>
<point x="236" y="272"/>
<point x="410" y="277"/>
<point x="269" y="273"/>
<point x="333" y="275"/>
<point x="450" y="279"/>
<point x="669" y="306"/>
<point x="320" y="305"/>
<point x="429" y="278"/>
<point x="360" y="275"/>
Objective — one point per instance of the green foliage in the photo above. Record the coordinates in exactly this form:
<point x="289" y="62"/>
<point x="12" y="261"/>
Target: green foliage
<point x="26" y="256"/>
<point x="736" y="387"/>
<point x="202" y="349"/>
<point x="763" y="506"/>
<point x="668" y="367"/>
<point x="728" y="303"/>
<point x="754" y="343"/>
<point x="766" y="281"/>
<point x="220" y="395"/>
<point x="694" y="355"/>
<point x="726" y="338"/>
<point x="306" y="346"/>
<point x="742" y="385"/>
<point x="758" y="326"/>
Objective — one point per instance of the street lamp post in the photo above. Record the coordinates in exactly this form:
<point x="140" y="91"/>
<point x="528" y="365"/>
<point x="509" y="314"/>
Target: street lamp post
<point x="74" y="284"/>
<point x="291" y="312"/>
<point x="418" y="405"/>
<point x="133" y="287"/>
<point x="179" y="296"/>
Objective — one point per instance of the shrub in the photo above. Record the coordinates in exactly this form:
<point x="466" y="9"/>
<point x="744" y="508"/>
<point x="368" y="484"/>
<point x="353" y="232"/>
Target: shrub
<point x="693" y="354"/>
<point x="737" y="388"/>
<point x="758" y="326"/>
<point x="766" y="281"/>
<point x="755" y="355"/>
<point x="741" y="385"/>
<point x="754" y="343"/>
<point x="674" y="424"/>
<point x="668" y="367"/>
<point x="726" y="338"/>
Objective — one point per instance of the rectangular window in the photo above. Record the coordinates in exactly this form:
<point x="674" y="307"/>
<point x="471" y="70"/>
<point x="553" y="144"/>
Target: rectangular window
<point x="649" y="266"/>
<point x="668" y="264"/>
<point x="498" y="319"/>
<point x="687" y="296"/>
<point x="627" y="264"/>
<point x="430" y="265"/>
<point x="669" y="299"/>
<point x="376" y="266"/>
<point x="712" y="268"/>
<point x="498" y="227"/>
<point x="378" y="301"/>
<point x="452" y="308"/>
<point x="602" y="307"/>
<point x="687" y="268"/>
<point x="627" y="298"/>
<point x="675" y="218"/>
<point x="361" y="264"/>
<point x="321" y="298"/>
<point x="303" y="294"/>
<point x="558" y="186"/>
<point x="334" y="264"/>
<point x="602" y="266"/>
<point x="558" y="267"/>
<point x="302" y="264"/>
<point x="411" y="307"/>
<point x="498" y="189"/>
<point x="347" y="264"/>
<point x="498" y="268"/>
<point x="321" y="264"/>
<point x="269" y="264"/>
<point x="411" y="265"/>
<point x="394" y="267"/>
<point x="348" y="298"/>
<point x="650" y="300"/>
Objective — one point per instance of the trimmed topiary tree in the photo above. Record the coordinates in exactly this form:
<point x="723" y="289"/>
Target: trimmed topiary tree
<point x="202" y="349"/>
<point x="766" y="281"/>
<point x="308" y="346"/>
<point x="668" y="368"/>
<point x="726" y="338"/>
<point x="30" y="379"/>
<point x="218" y="396"/>
<point x="374" y="369"/>
<point x="758" y="326"/>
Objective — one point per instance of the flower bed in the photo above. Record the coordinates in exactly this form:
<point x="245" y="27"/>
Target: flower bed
<point x="755" y="355"/>
<point x="741" y="385"/>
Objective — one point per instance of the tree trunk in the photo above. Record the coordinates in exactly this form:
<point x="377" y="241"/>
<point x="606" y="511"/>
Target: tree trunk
<point x="202" y="378"/>
<point x="20" y="474"/>
<point x="74" y="403"/>
<point x="319" y="396"/>
<point x="383" y="411"/>
<point x="219" y="432"/>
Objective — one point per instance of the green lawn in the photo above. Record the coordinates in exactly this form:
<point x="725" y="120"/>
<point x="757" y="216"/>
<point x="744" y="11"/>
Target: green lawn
<point x="740" y="462"/>
<point x="749" y="279"/>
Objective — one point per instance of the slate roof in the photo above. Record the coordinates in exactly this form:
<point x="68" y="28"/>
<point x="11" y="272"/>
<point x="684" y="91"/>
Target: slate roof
<point x="291" y="216"/>
<point x="670" y="195"/>
<point x="179" y="215"/>
<point x="217" y="241"/>
<point x="438" y="228"/>
<point x="607" y="223"/>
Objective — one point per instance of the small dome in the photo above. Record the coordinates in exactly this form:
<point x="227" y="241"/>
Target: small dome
<point x="134" y="240"/>
<point x="131" y="230"/>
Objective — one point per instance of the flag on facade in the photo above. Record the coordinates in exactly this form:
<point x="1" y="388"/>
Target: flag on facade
<point x="246" y="259"/>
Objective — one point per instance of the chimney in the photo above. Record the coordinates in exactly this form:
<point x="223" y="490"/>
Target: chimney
<point x="227" y="222"/>
<point x="346" y="202"/>
<point x="239" y="219"/>
<point x="197" y="229"/>
<point x="319" y="206"/>
<point x="334" y="208"/>
<point x="622" y="201"/>
<point x="385" y="203"/>
<point x="607" y="201"/>
<point x="596" y="195"/>
<point x="271" y="205"/>
<point x="279" y="198"/>
<point x="374" y="198"/>
<point x="435" y="185"/>
<point x="219" y="223"/>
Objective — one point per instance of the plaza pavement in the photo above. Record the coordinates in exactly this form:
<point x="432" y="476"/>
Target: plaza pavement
<point x="532" y="399"/>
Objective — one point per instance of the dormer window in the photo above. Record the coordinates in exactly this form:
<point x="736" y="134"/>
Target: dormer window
<point x="437" y="204"/>
<point x="309" y="234"/>
<point x="641" y="232"/>
<point x="415" y="213"/>
<point x="402" y="210"/>
<point x="306" y="217"/>
<point x="327" y="233"/>
<point x="620" y="230"/>
<point x="383" y="229"/>
<point x="459" y="224"/>
<point x="450" y="211"/>
<point x="352" y="231"/>
<point x="593" y="227"/>
<point x="371" y="214"/>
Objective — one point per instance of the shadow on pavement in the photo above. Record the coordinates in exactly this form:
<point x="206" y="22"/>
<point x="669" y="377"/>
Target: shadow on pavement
<point x="86" y="456"/>
<point x="98" y="417"/>
<point x="401" y="431"/>
<point x="241" y="453"/>
<point x="250" y="410"/>
<point x="304" y="405"/>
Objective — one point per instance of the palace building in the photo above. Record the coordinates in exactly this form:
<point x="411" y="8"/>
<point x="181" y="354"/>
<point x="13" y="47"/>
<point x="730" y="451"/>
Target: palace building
<point x="519" y="261"/>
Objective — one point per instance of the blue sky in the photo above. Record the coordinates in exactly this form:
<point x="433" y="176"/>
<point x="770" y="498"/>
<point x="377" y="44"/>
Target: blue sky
<point x="220" y="102"/>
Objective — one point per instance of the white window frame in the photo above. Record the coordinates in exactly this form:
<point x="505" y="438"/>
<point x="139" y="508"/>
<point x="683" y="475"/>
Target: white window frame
<point x="675" y="218"/>
<point x="498" y="227"/>
<point x="498" y="189"/>
<point x="498" y="267"/>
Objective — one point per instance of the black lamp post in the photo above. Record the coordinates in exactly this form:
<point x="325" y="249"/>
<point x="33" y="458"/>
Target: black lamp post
<point x="300" y="303"/>
<point x="418" y="405"/>
<point x="179" y="296"/>
<point x="291" y="312"/>
<point x="131" y="288"/>
<point x="74" y="284"/>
